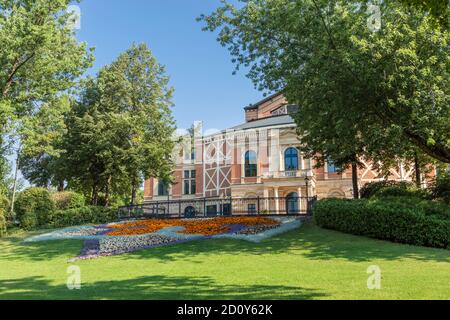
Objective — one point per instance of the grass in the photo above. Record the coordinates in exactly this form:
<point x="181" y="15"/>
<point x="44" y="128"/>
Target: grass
<point x="310" y="263"/>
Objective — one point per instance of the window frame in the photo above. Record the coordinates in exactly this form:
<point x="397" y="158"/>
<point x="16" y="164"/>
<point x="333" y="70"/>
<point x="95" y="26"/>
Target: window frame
<point x="250" y="169"/>
<point x="291" y="158"/>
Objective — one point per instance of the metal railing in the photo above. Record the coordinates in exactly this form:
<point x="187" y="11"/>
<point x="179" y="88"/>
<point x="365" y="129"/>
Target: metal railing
<point x="211" y="207"/>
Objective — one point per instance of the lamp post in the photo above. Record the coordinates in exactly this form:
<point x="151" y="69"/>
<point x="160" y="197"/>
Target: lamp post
<point x="307" y="187"/>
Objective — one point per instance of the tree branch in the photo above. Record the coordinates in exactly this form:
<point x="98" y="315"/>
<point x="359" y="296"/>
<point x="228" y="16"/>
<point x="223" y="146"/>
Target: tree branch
<point x="16" y="67"/>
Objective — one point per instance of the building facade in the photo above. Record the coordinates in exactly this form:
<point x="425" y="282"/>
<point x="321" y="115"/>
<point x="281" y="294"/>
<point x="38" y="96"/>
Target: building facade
<point x="257" y="159"/>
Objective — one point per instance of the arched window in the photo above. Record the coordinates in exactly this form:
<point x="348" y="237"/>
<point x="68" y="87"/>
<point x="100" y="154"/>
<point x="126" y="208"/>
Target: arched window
<point x="251" y="169"/>
<point x="291" y="159"/>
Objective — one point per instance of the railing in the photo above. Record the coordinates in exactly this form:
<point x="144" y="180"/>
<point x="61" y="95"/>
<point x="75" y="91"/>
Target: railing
<point x="210" y="207"/>
<point x="288" y="174"/>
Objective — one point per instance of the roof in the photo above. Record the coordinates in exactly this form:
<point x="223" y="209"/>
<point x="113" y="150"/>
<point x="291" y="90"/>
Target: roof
<point x="266" y="122"/>
<point x="256" y="105"/>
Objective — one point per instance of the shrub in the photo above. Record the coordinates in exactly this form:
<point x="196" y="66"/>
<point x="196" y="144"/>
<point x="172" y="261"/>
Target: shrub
<point x="383" y="220"/>
<point x="399" y="191"/>
<point x="68" y="200"/>
<point x="429" y="208"/>
<point x="84" y="215"/>
<point x="441" y="188"/>
<point x="34" y="207"/>
<point x="371" y="189"/>
<point x="2" y="223"/>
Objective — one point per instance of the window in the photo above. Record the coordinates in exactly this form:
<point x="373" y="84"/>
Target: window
<point x="291" y="159"/>
<point x="331" y="167"/>
<point x="211" y="210"/>
<point x="189" y="183"/>
<point x="251" y="208"/>
<point x="163" y="189"/>
<point x="251" y="169"/>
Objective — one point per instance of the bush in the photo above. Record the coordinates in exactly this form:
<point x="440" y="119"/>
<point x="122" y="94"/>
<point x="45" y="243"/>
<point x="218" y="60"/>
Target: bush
<point x="441" y="188"/>
<point x="2" y="223"/>
<point x="68" y="200"/>
<point x="84" y="215"/>
<point x="373" y="188"/>
<point x="385" y="220"/>
<point x="399" y="191"/>
<point x="34" y="207"/>
<point x="429" y="208"/>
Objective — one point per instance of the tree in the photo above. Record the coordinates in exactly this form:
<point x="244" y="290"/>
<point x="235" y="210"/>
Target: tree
<point x="41" y="136"/>
<point x="120" y="132"/>
<point x="39" y="58"/>
<point x="437" y="8"/>
<point x="388" y="83"/>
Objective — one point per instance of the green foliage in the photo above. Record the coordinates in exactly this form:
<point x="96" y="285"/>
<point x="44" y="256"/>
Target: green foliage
<point x="385" y="220"/>
<point x="40" y="55"/>
<point x="441" y="188"/>
<point x="2" y="222"/>
<point x="373" y="188"/>
<point x="120" y="131"/>
<point x="34" y="207"/>
<point x="41" y="134"/>
<point x="314" y="51"/>
<point x="40" y="58"/>
<point x="4" y="206"/>
<point x="429" y="208"/>
<point x="4" y="212"/>
<point x="83" y="215"/>
<point x="68" y="200"/>
<point x="439" y="9"/>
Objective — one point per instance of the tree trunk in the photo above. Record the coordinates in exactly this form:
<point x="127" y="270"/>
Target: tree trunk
<point x="133" y="194"/>
<point x="355" y="180"/>
<point x="417" y="171"/>
<point x="94" y="197"/>
<point x="61" y="186"/>
<point x="13" y="197"/>
<point x="107" y="192"/>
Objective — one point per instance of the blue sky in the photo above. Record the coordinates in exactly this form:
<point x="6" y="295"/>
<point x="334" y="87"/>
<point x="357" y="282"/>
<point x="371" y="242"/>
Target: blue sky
<point x="199" y="67"/>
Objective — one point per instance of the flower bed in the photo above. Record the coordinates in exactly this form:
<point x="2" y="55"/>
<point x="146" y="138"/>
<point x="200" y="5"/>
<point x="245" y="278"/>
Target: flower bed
<point x="118" y="238"/>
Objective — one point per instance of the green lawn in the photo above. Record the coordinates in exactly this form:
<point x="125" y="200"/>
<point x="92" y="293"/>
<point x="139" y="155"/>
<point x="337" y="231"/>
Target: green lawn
<point x="309" y="263"/>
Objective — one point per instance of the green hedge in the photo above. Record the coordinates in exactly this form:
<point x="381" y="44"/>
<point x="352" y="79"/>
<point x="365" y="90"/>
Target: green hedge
<point x="374" y="188"/>
<point x="4" y="209"/>
<point x="385" y="220"/>
<point x="441" y="188"/>
<point x="68" y="200"/>
<point x="34" y="207"/>
<point x="85" y="215"/>
<point x="2" y="222"/>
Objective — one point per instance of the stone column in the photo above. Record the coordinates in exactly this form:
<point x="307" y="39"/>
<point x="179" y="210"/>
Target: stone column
<point x="277" y="201"/>
<point x="266" y="200"/>
<point x="300" y="200"/>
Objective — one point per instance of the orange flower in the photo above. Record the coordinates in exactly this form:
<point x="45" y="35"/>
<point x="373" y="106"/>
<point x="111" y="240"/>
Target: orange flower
<point x="207" y="227"/>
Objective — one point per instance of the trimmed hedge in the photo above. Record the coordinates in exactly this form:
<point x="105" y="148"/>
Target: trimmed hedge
<point x="34" y="207"/>
<point x="68" y="200"/>
<point x="84" y="215"/>
<point x="374" y="188"/>
<point x="384" y="220"/>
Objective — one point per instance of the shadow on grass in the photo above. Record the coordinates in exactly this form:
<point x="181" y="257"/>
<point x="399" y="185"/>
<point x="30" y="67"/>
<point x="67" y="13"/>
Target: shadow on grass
<point x="151" y="287"/>
<point x="15" y="248"/>
<point x="309" y="241"/>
